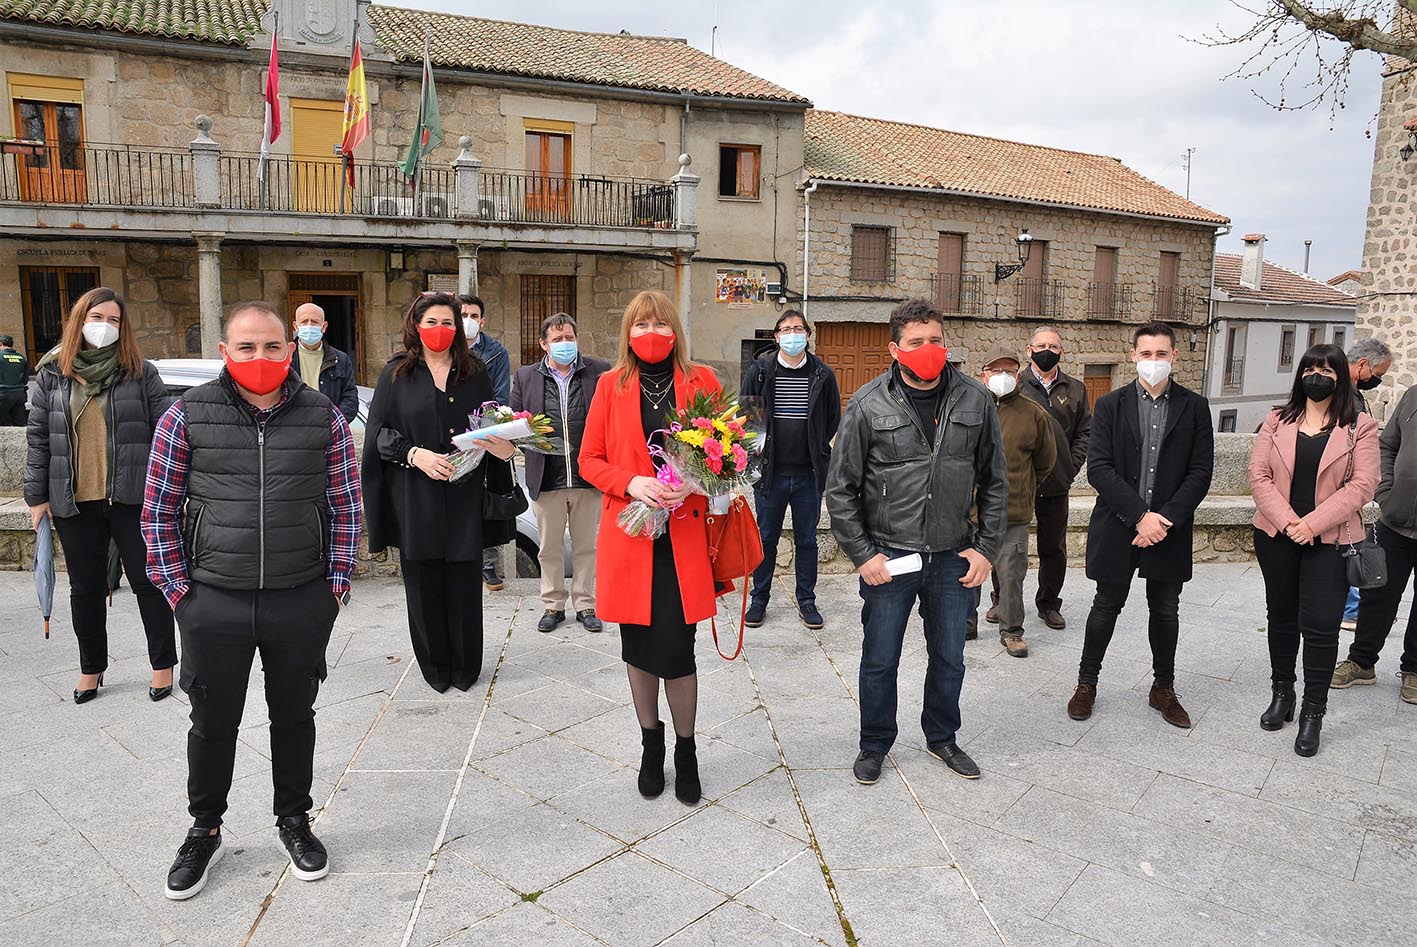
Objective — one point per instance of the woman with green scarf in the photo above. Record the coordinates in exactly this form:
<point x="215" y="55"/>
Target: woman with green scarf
<point x="91" y="424"/>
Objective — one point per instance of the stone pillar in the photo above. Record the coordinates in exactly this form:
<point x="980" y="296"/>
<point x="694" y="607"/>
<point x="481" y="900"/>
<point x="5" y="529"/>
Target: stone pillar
<point x="683" y="265"/>
<point x="686" y="205"/>
<point x="209" y="290"/>
<point x="465" y="171"/>
<point x="467" y="267"/>
<point x="206" y="165"/>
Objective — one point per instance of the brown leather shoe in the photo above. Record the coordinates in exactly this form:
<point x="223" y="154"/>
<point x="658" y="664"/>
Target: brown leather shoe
<point x="1164" y="700"/>
<point x="1053" y="619"/>
<point x="1080" y="707"/>
<point x="1014" y="644"/>
<point x="992" y="615"/>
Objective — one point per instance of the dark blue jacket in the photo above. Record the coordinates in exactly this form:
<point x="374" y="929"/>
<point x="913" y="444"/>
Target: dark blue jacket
<point x="337" y="381"/>
<point x="823" y="409"/>
<point x="499" y="365"/>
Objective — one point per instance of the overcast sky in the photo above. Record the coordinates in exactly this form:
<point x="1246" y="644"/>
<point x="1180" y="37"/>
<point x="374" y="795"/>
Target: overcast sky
<point x="1115" y="77"/>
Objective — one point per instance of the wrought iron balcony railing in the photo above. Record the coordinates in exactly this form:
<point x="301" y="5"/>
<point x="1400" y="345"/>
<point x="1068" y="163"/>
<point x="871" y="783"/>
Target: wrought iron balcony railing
<point x="98" y="175"/>
<point x="958" y="294"/>
<point x="1234" y="378"/>
<point x="1039" y="297"/>
<point x="1110" y="301"/>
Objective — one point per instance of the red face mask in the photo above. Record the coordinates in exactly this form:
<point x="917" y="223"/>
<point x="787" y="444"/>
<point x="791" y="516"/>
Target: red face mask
<point x="259" y="376"/>
<point x="437" y="338"/>
<point x="926" y="362"/>
<point x="652" y="347"/>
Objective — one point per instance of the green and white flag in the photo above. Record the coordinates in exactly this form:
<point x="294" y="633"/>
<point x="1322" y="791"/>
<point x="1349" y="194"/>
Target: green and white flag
<point x="429" y="133"/>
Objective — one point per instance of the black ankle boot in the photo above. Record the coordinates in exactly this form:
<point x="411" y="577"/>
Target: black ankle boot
<point x="1311" y="721"/>
<point x="686" y="771"/>
<point x="652" y="762"/>
<point x="1281" y="708"/>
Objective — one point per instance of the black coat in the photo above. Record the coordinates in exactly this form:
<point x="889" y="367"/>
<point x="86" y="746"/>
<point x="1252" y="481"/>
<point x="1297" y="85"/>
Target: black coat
<point x="405" y="508"/>
<point x="823" y="409"/>
<point x="531" y="387"/>
<point x="134" y="407"/>
<point x="1072" y="425"/>
<point x="1183" y="471"/>
<point x="337" y="381"/>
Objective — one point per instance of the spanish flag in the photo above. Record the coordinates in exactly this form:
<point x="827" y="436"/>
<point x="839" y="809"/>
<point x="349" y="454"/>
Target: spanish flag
<point x="356" y="111"/>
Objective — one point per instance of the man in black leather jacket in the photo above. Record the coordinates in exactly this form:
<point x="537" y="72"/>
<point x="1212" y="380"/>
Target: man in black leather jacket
<point x="919" y="448"/>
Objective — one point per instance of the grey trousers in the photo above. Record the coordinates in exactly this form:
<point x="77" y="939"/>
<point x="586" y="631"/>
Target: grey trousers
<point x="1011" y="565"/>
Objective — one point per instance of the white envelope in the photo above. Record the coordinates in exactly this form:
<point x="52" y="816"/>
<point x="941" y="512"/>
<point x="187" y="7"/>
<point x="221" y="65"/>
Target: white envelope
<point x="511" y="430"/>
<point x="904" y="564"/>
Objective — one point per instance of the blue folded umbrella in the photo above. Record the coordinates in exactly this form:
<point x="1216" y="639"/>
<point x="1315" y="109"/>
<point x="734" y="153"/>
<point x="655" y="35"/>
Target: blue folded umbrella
<point x="44" y="569"/>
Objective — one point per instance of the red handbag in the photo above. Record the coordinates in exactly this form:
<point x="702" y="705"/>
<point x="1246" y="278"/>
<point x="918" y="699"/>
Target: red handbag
<point x="735" y="550"/>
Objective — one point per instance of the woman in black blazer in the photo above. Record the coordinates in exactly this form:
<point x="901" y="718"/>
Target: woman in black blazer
<point x="423" y="398"/>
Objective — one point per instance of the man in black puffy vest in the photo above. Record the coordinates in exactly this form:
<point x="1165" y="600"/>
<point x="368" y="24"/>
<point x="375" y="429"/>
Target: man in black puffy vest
<point x="251" y="518"/>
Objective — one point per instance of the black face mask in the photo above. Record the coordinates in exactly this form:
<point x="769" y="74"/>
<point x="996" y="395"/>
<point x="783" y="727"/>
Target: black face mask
<point x="1046" y="360"/>
<point x="1318" y="387"/>
<point x="1369" y="383"/>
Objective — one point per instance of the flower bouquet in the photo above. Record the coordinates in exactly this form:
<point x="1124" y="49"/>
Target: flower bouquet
<point x="527" y="431"/>
<point x="712" y="445"/>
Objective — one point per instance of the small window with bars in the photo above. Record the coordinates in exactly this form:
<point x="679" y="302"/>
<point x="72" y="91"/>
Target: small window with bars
<point x="542" y="296"/>
<point x="872" y="254"/>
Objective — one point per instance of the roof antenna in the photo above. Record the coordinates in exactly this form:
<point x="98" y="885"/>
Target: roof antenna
<point x="713" y="36"/>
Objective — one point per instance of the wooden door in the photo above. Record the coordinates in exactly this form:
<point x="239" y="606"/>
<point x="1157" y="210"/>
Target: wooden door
<point x="1104" y="281"/>
<point x="856" y="351"/>
<point x="1098" y="381"/>
<point x="548" y="167"/>
<point x="1031" y="279"/>
<point x="317" y="130"/>
<point x="55" y="176"/>
<point x="1166" y="285"/>
<point x="949" y="268"/>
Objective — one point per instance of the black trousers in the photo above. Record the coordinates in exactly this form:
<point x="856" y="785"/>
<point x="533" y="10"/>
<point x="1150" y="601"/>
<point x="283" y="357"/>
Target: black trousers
<point x="1377" y="608"/>
<point x="1305" y="588"/>
<point x="1163" y="600"/>
<point x="221" y="632"/>
<point x="445" y="619"/>
<point x="12" y="409"/>
<point x="85" y="539"/>
<point x="1052" y="539"/>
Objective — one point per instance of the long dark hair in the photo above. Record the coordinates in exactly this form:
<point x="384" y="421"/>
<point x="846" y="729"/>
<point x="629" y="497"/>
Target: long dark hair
<point x="1342" y="407"/>
<point x="413" y="344"/>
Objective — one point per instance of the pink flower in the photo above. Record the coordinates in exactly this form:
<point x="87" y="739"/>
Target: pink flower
<point x="714" y="450"/>
<point x="703" y="424"/>
<point x="740" y="457"/>
<point x="735" y="428"/>
<point x="715" y="463"/>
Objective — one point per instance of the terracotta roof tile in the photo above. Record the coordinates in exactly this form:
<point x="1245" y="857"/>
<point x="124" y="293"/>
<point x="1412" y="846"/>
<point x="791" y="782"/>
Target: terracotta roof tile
<point x="459" y="42"/>
<point x="854" y="148"/>
<point x="1277" y="284"/>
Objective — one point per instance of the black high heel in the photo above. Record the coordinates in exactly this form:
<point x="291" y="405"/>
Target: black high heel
<point x="156" y="694"/>
<point x="1311" y="722"/>
<point x="1281" y="708"/>
<point x="83" y="697"/>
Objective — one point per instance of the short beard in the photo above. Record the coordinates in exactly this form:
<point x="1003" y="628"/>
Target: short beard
<point x="925" y="382"/>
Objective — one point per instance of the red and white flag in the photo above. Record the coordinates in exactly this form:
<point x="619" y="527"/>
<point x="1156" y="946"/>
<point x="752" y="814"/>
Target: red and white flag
<point x="272" y="129"/>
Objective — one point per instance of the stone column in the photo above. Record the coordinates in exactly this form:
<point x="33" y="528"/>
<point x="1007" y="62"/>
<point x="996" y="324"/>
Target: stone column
<point x="686" y="186"/>
<point x="467" y="267"/>
<point x="683" y="265"/>
<point x="206" y="170"/>
<point x="465" y="171"/>
<point x="209" y="290"/>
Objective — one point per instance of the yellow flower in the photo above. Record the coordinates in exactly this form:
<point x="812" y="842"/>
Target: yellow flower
<point x="720" y="425"/>
<point x="692" y="438"/>
<point x="727" y="444"/>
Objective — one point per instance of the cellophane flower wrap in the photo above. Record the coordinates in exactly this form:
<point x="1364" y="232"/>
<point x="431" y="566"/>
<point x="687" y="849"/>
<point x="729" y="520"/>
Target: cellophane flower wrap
<point x="536" y="438"/>
<point x="713" y="445"/>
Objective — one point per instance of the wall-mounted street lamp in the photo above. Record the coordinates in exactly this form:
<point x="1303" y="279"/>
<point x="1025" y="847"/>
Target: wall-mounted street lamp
<point x="1409" y="149"/>
<point x="1003" y="271"/>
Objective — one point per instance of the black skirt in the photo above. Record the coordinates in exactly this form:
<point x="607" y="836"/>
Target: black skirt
<point x="664" y="647"/>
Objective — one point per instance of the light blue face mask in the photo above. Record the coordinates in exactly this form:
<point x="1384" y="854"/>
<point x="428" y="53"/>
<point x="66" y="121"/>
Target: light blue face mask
<point x="793" y="344"/>
<point x="564" y="353"/>
<point x="310" y="335"/>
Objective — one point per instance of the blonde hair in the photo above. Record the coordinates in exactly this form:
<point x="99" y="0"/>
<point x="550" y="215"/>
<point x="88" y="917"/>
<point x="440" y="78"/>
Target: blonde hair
<point x="650" y="302"/>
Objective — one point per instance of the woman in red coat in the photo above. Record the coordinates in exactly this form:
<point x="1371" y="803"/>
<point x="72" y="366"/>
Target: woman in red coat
<point x="661" y="588"/>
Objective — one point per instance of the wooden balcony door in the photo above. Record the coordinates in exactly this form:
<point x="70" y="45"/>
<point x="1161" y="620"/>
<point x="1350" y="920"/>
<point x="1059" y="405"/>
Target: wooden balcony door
<point x="317" y="129"/>
<point x="548" y="168"/>
<point x="55" y="176"/>
<point x="949" y="266"/>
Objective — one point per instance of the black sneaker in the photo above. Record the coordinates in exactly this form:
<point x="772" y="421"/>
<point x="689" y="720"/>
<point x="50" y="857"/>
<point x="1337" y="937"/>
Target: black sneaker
<point x="549" y="620"/>
<point x="812" y="618"/>
<point x="757" y="611"/>
<point x="867" y="768"/>
<point x="194" y="862"/>
<point x="586" y="617"/>
<point x="956" y="759"/>
<point x="491" y="579"/>
<point x="308" y="860"/>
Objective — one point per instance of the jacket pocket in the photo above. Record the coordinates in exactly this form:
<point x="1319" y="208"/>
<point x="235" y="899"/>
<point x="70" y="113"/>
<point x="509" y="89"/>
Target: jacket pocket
<point x="962" y="432"/>
<point x="192" y="530"/>
<point x="896" y="436"/>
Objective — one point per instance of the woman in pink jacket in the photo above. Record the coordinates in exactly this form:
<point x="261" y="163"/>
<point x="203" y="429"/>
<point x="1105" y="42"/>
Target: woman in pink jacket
<point x="1314" y="467"/>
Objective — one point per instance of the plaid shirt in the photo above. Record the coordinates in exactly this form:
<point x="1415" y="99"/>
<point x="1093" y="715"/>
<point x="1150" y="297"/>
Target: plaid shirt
<point x="166" y="495"/>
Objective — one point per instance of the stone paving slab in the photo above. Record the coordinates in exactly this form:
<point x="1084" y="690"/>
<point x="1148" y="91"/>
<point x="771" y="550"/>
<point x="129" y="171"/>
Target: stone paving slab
<point x="509" y="814"/>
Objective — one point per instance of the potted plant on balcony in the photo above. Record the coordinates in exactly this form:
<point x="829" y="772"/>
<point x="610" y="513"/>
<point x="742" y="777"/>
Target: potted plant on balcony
<point x="9" y="145"/>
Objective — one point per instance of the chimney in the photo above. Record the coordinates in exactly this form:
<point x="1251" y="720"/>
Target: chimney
<point x="1252" y="264"/>
<point x="1308" y="245"/>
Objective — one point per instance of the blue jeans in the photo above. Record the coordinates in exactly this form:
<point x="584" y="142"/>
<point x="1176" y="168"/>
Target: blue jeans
<point x="772" y="499"/>
<point x="944" y="605"/>
<point x="1350" y="608"/>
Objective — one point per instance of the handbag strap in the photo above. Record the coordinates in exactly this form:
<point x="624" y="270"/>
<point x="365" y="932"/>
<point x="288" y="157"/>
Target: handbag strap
<point x="743" y="611"/>
<point x="1348" y="476"/>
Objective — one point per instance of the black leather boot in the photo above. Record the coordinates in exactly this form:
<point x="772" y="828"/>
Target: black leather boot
<point x="1281" y="708"/>
<point x="1311" y="721"/>
<point x="652" y="761"/>
<point x="686" y="771"/>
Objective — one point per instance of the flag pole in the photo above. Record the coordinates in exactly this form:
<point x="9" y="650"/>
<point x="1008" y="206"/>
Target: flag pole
<point x="347" y="164"/>
<point x="265" y="143"/>
<point x="427" y="73"/>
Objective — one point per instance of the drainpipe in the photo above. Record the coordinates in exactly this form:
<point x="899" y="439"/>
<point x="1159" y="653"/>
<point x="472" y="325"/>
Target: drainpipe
<point x="806" y="238"/>
<point x="1210" y="310"/>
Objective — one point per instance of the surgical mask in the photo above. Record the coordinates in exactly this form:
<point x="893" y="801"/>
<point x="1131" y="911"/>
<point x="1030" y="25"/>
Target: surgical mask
<point x="564" y="353"/>
<point x="100" y="334"/>
<point x="310" y="335"/>
<point x="1002" y="385"/>
<point x="1369" y="383"/>
<point x="1046" y="360"/>
<point x="470" y="328"/>
<point x="1154" y="371"/>
<point x="1318" y="387"/>
<point x="793" y="344"/>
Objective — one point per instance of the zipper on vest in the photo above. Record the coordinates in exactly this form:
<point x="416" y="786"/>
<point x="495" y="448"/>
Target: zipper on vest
<point x="261" y="528"/>
<point x="566" y="429"/>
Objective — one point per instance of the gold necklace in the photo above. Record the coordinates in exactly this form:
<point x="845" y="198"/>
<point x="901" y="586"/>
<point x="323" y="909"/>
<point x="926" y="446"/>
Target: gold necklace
<point x="656" y="397"/>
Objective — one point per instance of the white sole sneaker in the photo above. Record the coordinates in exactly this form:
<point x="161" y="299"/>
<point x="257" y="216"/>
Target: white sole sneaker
<point x="296" y="870"/>
<point x="172" y="895"/>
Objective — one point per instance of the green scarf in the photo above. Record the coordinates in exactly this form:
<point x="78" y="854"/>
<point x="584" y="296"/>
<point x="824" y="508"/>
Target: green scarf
<point x="97" y="368"/>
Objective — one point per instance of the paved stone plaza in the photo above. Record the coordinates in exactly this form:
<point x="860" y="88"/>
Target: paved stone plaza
<point x="509" y="815"/>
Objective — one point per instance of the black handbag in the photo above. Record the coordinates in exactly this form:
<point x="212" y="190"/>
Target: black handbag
<point x="498" y="503"/>
<point x="1366" y="561"/>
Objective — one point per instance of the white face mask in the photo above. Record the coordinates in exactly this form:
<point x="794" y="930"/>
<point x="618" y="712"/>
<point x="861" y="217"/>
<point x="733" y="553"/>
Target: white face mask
<point x="470" y="328"/>
<point x="100" y="334"/>
<point x="1153" y="371"/>
<point x="1002" y="385"/>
